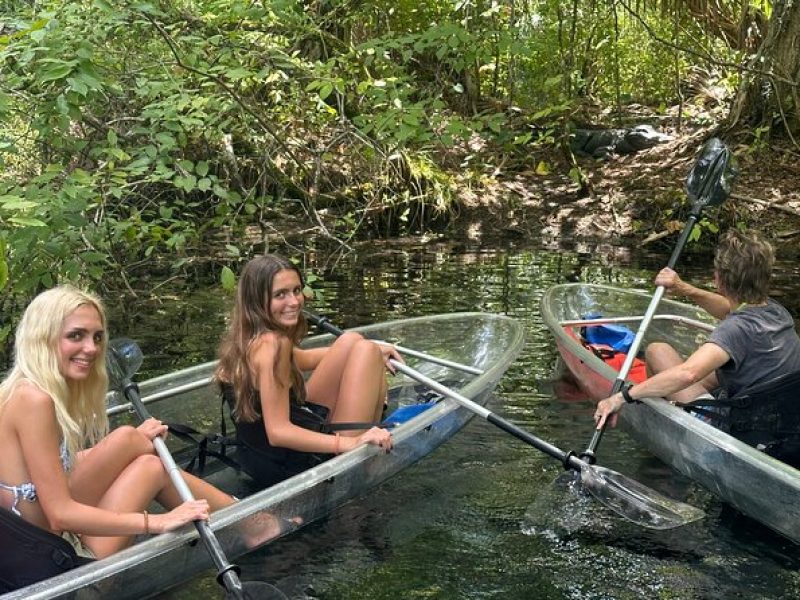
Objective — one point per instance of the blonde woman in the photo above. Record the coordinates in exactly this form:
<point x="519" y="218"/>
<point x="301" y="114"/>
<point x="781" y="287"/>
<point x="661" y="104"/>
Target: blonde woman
<point x="52" y="405"/>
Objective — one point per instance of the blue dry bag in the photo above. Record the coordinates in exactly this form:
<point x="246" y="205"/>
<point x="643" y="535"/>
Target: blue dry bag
<point x="619" y="337"/>
<point x="406" y="413"/>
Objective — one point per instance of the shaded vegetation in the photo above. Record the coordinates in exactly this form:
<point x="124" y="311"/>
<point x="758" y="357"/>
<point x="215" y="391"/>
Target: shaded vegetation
<point x="148" y="138"/>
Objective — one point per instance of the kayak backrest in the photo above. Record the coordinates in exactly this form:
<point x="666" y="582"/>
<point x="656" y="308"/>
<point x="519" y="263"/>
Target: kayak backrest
<point x="765" y="416"/>
<point x="31" y="554"/>
<point x="772" y="406"/>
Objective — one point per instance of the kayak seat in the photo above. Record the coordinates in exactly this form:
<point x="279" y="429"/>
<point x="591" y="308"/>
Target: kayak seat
<point x="31" y="554"/>
<point x="765" y="416"/>
<point x="201" y="448"/>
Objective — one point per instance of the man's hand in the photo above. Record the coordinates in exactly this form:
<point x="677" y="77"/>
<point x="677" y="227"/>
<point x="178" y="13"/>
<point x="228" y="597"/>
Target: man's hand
<point x="607" y="410"/>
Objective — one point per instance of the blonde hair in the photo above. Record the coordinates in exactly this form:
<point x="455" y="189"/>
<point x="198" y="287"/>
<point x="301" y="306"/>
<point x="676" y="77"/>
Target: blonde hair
<point x="79" y="405"/>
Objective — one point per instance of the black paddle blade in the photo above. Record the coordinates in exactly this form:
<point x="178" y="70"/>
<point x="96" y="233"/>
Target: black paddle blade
<point x="123" y="359"/>
<point x="256" y="590"/>
<point x="711" y="178"/>
<point x="636" y="502"/>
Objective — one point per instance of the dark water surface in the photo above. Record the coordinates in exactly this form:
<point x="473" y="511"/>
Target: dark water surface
<point x="484" y="517"/>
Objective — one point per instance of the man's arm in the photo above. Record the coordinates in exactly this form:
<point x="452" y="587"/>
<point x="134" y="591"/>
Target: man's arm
<point x="714" y="304"/>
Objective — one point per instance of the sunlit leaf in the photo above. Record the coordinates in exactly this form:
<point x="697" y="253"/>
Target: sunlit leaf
<point x="58" y="71"/>
<point x="19" y="204"/>
<point x="27" y="222"/>
<point x="227" y="278"/>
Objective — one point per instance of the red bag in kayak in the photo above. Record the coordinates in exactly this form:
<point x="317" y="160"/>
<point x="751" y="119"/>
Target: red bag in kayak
<point x="616" y="359"/>
<point x="638" y="372"/>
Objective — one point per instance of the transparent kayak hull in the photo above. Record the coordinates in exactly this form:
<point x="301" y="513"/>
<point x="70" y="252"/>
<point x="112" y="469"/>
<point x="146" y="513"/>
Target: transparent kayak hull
<point x="756" y="484"/>
<point x="488" y="342"/>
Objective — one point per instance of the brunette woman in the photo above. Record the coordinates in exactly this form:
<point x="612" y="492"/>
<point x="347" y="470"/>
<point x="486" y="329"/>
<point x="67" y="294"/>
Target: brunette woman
<point x="282" y="419"/>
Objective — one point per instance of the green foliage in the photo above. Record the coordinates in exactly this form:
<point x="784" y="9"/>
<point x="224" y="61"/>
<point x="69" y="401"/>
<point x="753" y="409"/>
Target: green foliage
<point x="136" y="133"/>
<point x="703" y="225"/>
<point x="227" y="278"/>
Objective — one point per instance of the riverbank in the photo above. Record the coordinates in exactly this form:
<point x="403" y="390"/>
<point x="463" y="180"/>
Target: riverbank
<point x="637" y="197"/>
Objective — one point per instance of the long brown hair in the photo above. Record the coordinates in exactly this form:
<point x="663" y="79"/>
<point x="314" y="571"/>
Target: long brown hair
<point x="250" y="318"/>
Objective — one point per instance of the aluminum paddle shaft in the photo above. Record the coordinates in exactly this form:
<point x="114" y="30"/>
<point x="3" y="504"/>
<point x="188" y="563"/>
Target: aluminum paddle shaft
<point x="227" y="573"/>
<point x="589" y="453"/>
<point x="708" y="184"/>
<point x="621" y="494"/>
<point x="627" y="497"/>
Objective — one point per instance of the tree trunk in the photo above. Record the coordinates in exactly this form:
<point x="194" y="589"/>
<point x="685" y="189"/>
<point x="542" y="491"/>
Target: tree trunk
<point x="768" y="94"/>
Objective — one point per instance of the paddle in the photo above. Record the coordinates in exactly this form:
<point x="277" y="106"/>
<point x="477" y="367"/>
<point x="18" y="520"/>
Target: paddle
<point x="319" y="321"/>
<point x="626" y="497"/>
<point x="708" y="184"/>
<point x="123" y="360"/>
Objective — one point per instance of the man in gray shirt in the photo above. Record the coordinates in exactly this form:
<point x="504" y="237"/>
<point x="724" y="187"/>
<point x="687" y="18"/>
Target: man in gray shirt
<point x="755" y="341"/>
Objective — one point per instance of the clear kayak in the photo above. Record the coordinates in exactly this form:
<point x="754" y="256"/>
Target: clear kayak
<point x="756" y="484"/>
<point x="485" y="342"/>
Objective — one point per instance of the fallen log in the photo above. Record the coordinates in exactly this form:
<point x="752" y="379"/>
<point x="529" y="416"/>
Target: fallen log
<point x="766" y="203"/>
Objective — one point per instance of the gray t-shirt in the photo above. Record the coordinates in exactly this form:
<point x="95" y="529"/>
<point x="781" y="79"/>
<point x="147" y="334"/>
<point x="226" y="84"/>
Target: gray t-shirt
<point x="762" y="343"/>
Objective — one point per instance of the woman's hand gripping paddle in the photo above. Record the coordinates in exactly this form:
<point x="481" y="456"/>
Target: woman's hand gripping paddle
<point x="626" y="497"/>
<point x="123" y="360"/>
<point x="708" y="184"/>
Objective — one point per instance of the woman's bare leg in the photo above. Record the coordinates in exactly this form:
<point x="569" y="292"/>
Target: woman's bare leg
<point x="97" y="468"/>
<point x="132" y="491"/>
<point x="169" y="497"/>
<point x="382" y="396"/>
<point x="661" y="356"/>
<point x="350" y="381"/>
<point x="324" y="383"/>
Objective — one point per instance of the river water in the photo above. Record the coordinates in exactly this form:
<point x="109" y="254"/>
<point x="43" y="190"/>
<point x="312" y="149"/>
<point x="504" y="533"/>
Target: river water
<point x="486" y="516"/>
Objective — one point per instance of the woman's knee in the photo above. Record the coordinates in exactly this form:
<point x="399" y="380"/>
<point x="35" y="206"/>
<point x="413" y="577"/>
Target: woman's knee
<point x="149" y="466"/>
<point x="348" y="340"/>
<point x="129" y="439"/>
<point x="367" y="351"/>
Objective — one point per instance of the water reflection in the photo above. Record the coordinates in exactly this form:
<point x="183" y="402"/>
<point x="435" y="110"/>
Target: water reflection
<point x="486" y="516"/>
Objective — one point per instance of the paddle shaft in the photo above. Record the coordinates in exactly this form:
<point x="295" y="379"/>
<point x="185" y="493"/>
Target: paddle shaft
<point x="433" y="359"/>
<point x="626" y="497"/>
<point x="568" y="459"/>
<point x="325" y="324"/>
<point x="227" y="574"/>
<point x="616" y="497"/>
<point x="589" y="453"/>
